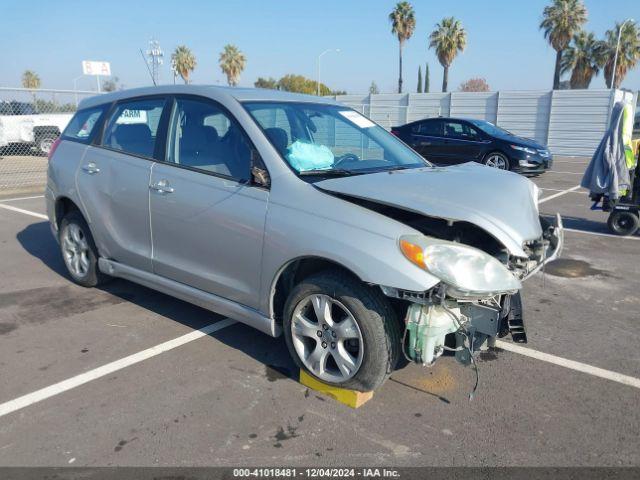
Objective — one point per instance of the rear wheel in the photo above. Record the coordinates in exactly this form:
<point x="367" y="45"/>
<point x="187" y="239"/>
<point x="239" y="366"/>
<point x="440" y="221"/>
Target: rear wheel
<point x="79" y="251"/>
<point x="623" y="223"/>
<point x="45" y="142"/>
<point x="341" y="331"/>
<point x="497" y="160"/>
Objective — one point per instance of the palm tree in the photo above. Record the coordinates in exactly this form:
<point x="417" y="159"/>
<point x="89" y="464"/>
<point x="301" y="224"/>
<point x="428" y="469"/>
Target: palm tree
<point x="628" y="53"/>
<point x="183" y="62"/>
<point x="31" y="81"/>
<point x="232" y="63"/>
<point x="561" y="20"/>
<point x="583" y="58"/>
<point x="447" y="39"/>
<point x="403" y="23"/>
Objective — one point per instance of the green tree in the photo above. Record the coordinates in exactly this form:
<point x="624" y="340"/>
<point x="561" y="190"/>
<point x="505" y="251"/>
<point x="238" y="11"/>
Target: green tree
<point x="232" y="63"/>
<point x="373" y="88"/>
<point x="270" y="83"/>
<point x="31" y="81"/>
<point x="183" y="62"/>
<point x="427" y="80"/>
<point x="300" y="84"/>
<point x="447" y="39"/>
<point x="628" y="53"/>
<point x="111" y="85"/>
<point x="561" y="21"/>
<point x="419" y="89"/>
<point x="583" y="58"/>
<point x="403" y="23"/>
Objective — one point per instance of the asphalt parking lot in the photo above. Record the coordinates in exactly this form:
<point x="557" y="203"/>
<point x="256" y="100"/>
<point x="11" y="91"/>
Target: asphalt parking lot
<point x="82" y="384"/>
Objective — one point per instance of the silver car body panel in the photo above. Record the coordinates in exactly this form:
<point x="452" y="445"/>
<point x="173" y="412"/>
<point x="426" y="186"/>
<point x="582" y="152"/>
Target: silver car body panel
<point x="502" y="203"/>
<point x="222" y="245"/>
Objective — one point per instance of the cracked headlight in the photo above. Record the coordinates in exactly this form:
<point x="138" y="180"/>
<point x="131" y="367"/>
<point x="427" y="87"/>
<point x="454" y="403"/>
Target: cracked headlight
<point x="468" y="271"/>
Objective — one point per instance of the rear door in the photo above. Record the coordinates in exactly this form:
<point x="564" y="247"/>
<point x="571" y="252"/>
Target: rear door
<point x="462" y="142"/>
<point x="207" y="218"/>
<point x="427" y="139"/>
<point x="113" y="181"/>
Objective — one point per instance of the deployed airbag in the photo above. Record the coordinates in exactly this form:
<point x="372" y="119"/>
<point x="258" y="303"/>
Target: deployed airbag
<point x="309" y="156"/>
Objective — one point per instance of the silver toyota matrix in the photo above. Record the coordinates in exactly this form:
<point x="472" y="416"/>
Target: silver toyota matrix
<point x="295" y="214"/>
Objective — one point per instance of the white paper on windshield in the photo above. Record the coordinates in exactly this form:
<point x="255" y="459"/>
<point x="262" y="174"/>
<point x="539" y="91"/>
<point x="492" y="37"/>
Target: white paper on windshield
<point x="355" y="117"/>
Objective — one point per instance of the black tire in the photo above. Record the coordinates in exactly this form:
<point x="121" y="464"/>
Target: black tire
<point x="623" y="223"/>
<point x="380" y="329"/>
<point x="44" y="142"/>
<point x="488" y="159"/>
<point x="93" y="277"/>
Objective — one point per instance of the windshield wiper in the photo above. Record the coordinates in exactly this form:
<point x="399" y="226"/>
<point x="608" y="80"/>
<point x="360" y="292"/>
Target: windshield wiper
<point x="337" y="172"/>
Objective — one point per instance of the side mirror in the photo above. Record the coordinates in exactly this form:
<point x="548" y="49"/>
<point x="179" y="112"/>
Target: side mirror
<point x="259" y="174"/>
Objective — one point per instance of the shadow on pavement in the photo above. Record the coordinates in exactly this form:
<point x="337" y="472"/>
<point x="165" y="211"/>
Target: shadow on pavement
<point x="38" y="241"/>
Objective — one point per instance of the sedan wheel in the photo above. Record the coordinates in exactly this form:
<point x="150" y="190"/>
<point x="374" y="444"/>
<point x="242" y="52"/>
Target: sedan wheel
<point x="327" y="338"/>
<point x="497" y="160"/>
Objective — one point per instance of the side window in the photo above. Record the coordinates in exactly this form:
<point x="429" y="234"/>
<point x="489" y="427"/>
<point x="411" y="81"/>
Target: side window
<point x="460" y="130"/>
<point x="431" y="128"/>
<point x="83" y="123"/>
<point x="204" y="137"/>
<point x="276" y="126"/>
<point x="133" y="126"/>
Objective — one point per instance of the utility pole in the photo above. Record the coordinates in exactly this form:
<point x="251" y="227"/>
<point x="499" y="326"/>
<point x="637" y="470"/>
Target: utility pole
<point x="155" y="59"/>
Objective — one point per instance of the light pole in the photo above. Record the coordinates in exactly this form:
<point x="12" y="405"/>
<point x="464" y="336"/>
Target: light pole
<point x="75" y="87"/>
<point x="319" y="57"/>
<point x="615" y="57"/>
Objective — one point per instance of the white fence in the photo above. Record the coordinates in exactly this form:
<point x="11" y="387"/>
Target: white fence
<point x="570" y="122"/>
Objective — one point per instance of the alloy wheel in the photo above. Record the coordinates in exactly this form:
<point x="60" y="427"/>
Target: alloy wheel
<point x="327" y="338"/>
<point x="496" y="161"/>
<point x="75" y="250"/>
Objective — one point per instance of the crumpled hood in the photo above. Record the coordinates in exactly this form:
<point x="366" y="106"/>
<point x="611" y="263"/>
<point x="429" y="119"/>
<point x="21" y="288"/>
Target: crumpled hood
<point x="502" y="203"/>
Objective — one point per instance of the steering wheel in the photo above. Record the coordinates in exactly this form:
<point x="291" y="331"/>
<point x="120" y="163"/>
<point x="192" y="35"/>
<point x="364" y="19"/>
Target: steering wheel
<point x="345" y="158"/>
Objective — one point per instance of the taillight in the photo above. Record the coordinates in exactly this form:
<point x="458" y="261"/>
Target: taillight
<point x="52" y="150"/>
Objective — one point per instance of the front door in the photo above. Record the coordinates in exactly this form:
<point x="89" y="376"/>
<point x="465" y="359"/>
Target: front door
<point x="462" y="143"/>
<point x="207" y="220"/>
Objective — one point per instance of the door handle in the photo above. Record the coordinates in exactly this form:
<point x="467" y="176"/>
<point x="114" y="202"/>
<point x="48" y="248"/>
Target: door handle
<point x="91" y="168"/>
<point x="161" y="186"/>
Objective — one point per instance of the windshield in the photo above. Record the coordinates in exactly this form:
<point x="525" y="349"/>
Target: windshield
<point x="330" y="139"/>
<point x="490" y="128"/>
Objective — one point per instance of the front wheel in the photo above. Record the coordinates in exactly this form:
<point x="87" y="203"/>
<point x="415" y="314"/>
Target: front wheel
<point x="623" y="223"/>
<point x="497" y="160"/>
<point x="341" y="331"/>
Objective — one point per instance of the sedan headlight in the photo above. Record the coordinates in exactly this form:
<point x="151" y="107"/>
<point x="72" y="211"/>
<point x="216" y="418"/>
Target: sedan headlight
<point x="530" y="151"/>
<point x="468" y="271"/>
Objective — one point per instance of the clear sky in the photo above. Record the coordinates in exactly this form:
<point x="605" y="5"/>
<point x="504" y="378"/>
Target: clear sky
<point x="278" y="37"/>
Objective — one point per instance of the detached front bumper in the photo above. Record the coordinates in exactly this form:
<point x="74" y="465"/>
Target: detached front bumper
<point x="554" y="235"/>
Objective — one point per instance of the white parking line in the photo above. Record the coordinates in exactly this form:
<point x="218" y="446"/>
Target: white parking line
<point x="556" y="195"/>
<point x="26" y="212"/>
<point x="601" y="234"/>
<point x="558" y="190"/>
<point x="571" y="364"/>
<point x="570" y="173"/>
<point x="73" y="382"/>
<point x="20" y="198"/>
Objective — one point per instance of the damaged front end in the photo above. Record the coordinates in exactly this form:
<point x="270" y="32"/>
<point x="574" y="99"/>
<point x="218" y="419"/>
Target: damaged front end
<point x="478" y="298"/>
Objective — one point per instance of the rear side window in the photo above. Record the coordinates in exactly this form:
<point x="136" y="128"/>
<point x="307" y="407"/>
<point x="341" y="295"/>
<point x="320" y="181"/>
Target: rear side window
<point x="430" y="128"/>
<point x="83" y="123"/>
<point x="133" y="127"/>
